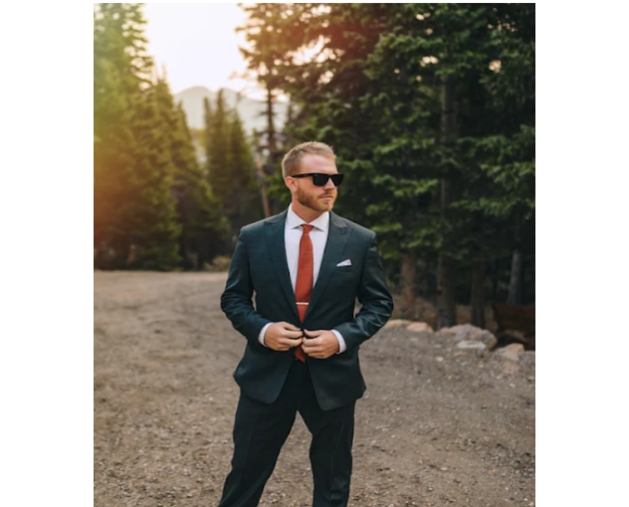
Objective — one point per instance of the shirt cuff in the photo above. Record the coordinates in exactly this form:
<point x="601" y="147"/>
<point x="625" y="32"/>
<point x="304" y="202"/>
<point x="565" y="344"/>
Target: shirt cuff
<point x="262" y="331"/>
<point x="342" y="345"/>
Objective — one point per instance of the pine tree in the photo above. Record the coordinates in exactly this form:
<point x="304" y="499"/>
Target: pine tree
<point x="115" y="88"/>
<point x="231" y="170"/>
<point x="243" y="203"/>
<point x="269" y="46"/>
<point x="204" y="229"/>
<point x="207" y="131"/>
<point x="218" y="151"/>
<point x="151" y="214"/>
<point x="135" y="222"/>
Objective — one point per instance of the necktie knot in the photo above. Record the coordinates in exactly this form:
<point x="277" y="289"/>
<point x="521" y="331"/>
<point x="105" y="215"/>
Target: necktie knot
<point x="307" y="228"/>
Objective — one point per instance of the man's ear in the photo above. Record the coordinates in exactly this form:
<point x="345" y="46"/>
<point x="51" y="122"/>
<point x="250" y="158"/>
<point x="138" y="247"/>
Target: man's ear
<point x="290" y="183"/>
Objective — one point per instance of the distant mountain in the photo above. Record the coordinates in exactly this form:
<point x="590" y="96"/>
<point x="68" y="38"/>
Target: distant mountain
<point x="250" y="110"/>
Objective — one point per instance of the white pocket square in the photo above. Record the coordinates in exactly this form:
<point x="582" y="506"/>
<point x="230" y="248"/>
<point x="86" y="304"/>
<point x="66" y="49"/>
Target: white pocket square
<point x="346" y="262"/>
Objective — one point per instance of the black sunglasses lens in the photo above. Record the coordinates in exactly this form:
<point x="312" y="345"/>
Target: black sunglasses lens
<point x="321" y="179"/>
<point x="337" y="179"/>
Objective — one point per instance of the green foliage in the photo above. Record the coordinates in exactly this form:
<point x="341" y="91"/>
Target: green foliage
<point x="230" y="166"/>
<point x="375" y="93"/>
<point x="153" y="205"/>
<point x="243" y="202"/>
<point x="150" y="223"/>
<point x="204" y="228"/>
<point x="217" y="154"/>
<point x="135" y="223"/>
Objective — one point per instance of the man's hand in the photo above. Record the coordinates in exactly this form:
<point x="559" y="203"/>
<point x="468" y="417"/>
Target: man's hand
<point x="320" y="344"/>
<point x="282" y="336"/>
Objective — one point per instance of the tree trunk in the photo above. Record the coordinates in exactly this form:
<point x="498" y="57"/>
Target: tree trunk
<point x="408" y="271"/>
<point x="515" y="280"/>
<point x="264" y="196"/>
<point x="273" y="157"/>
<point x="446" y="308"/>
<point x="493" y="276"/>
<point x="270" y="125"/>
<point x="478" y="293"/>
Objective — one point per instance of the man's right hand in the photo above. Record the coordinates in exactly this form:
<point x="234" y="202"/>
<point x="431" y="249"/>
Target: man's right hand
<point x="282" y="336"/>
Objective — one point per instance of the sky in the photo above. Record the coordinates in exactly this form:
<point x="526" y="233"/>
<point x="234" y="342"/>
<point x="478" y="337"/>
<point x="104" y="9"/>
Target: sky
<point x="198" y="45"/>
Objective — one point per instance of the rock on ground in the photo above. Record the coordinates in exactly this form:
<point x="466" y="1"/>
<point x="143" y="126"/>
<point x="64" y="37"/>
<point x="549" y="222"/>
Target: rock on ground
<point x="419" y="327"/>
<point x="395" y="323"/>
<point x="469" y="332"/>
<point x="512" y="352"/>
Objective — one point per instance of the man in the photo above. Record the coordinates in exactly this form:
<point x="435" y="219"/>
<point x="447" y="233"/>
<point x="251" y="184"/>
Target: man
<point x="306" y="267"/>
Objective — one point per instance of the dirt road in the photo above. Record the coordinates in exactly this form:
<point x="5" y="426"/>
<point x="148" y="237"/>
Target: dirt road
<point x="438" y="426"/>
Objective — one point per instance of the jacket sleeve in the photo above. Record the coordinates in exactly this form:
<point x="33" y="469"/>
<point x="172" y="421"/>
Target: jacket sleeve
<point x="236" y="300"/>
<point x="375" y="298"/>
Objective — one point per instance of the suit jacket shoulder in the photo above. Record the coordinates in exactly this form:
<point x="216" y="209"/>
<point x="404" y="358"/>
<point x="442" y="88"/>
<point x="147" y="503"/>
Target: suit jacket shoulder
<point x="359" y="232"/>
<point x="256" y="228"/>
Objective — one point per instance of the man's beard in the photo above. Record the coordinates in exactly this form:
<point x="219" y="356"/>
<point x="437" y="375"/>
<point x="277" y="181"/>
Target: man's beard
<point x="314" y="202"/>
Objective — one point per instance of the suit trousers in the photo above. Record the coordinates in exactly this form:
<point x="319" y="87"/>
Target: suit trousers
<point x="260" y="431"/>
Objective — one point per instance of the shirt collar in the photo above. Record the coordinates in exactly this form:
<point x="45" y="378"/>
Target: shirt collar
<point x="293" y="220"/>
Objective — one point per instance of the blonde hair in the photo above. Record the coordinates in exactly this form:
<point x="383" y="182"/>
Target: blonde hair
<point x="292" y="159"/>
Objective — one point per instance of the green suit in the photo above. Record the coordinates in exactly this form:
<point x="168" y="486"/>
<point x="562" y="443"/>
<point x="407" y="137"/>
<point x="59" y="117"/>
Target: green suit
<point x="259" y="291"/>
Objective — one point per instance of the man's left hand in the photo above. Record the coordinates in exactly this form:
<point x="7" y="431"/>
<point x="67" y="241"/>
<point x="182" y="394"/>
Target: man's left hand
<point x="320" y="344"/>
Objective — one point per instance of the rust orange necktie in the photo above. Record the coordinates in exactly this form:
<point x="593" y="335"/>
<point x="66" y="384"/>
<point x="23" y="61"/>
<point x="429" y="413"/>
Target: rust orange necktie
<point x="303" y="285"/>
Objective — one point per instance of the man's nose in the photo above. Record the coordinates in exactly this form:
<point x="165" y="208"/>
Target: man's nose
<point x="329" y="184"/>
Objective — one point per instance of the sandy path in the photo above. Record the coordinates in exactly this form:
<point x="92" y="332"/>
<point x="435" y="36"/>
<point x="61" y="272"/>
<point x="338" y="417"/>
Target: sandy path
<point x="429" y="432"/>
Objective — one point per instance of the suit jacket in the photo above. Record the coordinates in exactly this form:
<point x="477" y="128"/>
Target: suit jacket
<point x="259" y="290"/>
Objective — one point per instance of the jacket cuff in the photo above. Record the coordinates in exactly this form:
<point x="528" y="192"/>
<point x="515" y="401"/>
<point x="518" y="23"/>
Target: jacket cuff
<point x="342" y="345"/>
<point x="262" y="333"/>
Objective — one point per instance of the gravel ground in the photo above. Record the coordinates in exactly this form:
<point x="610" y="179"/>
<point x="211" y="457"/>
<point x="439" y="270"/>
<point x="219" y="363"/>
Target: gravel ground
<point x="437" y="426"/>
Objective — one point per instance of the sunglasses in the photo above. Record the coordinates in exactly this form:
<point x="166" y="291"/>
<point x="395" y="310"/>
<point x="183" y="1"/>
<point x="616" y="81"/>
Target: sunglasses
<point x="320" y="179"/>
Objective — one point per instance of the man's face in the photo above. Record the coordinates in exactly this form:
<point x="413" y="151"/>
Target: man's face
<point x="306" y="192"/>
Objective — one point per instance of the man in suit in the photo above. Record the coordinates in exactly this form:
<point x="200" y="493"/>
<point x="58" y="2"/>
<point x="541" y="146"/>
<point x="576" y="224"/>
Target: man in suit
<point x="304" y="269"/>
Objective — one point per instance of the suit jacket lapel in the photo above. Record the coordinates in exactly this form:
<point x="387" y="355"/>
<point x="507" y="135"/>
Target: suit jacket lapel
<point x="334" y="247"/>
<point x="274" y="236"/>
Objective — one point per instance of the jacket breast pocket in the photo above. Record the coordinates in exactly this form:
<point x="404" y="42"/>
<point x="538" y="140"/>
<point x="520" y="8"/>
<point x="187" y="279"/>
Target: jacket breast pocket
<point x="344" y="277"/>
<point x="344" y="270"/>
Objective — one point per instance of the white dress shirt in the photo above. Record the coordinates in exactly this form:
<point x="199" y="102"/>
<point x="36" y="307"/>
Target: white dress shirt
<point x="292" y="237"/>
